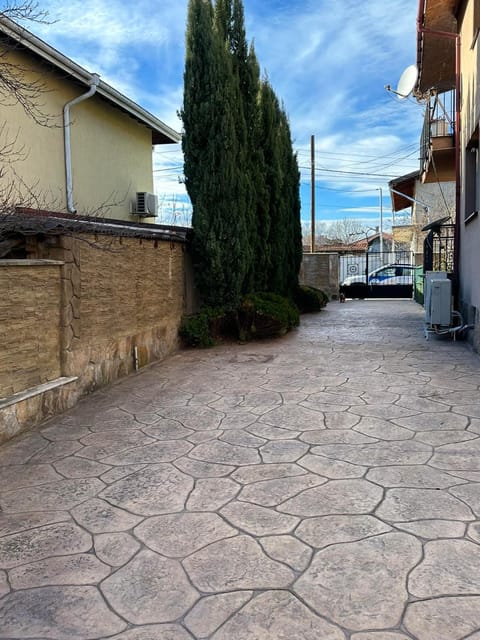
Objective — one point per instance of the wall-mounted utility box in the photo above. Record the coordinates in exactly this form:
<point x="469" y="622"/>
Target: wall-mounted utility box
<point x="441" y="302"/>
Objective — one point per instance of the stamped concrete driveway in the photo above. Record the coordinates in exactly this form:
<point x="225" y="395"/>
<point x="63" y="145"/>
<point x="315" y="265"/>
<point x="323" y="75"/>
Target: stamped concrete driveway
<point x="324" y="486"/>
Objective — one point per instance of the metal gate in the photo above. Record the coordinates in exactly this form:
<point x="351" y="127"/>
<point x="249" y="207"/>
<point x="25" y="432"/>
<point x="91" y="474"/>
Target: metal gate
<point x="375" y="274"/>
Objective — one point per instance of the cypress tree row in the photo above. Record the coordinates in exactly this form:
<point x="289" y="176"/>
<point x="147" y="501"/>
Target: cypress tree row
<point x="241" y="173"/>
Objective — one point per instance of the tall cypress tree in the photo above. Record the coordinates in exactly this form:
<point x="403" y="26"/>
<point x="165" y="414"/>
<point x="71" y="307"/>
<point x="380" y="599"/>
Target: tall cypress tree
<point x="211" y="148"/>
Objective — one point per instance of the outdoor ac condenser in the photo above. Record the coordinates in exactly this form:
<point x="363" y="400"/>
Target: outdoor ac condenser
<point x="430" y="277"/>
<point x="146" y="204"/>
<point x="441" y="302"/>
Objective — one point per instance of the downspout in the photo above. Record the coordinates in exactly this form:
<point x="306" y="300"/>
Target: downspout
<point x="458" y="105"/>
<point x="94" y="80"/>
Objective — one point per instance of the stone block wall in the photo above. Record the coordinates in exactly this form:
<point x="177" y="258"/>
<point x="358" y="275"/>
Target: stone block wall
<point x="321" y="270"/>
<point x="30" y="324"/>
<point x="85" y="312"/>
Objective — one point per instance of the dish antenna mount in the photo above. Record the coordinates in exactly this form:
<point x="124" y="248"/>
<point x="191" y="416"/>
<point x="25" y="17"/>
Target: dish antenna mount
<point x="406" y="84"/>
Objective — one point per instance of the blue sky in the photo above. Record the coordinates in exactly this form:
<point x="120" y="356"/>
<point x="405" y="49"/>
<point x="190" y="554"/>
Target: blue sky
<point x="327" y="61"/>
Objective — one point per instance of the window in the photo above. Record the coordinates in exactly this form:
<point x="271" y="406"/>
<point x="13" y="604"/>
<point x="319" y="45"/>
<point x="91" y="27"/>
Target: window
<point x="476" y="21"/>
<point x="472" y="176"/>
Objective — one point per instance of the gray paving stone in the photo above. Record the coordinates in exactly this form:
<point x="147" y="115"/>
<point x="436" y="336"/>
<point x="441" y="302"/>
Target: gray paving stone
<point x="224" y="453"/>
<point x="210" y="494"/>
<point x="333" y="469"/>
<point x="115" y="549"/>
<point x="267" y="432"/>
<point x="195" y="418"/>
<point x="201" y="469"/>
<point x="335" y="436"/>
<point x="242" y="438"/>
<point x="450" y="567"/>
<point x="287" y="549"/>
<point x="163" y="451"/>
<point x="237" y="421"/>
<point x="423" y="405"/>
<point x="415" y="476"/>
<point x="235" y="564"/>
<point x="384" y="411"/>
<point x="464" y="456"/>
<point x="452" y="618"/>
<point x="469" y="493"/>
<point x="181" y="534"/>
<point x="269" y="493"/>
<point x="277" y="615"/>
<point x="294" y="417"/>
<point x="57" y="613"/>
<point x="474" y="531"/>
<point x="382" y="429"/>
<point x="54" y="496"/>
<point x="56" y="451"/>
<point x="198" y="437"/>
<point x="437" y="438"/>
<point x="377" y="454"/>
<point x="19" y="476"/>
<point x="155" y="632"/>
<point x="4" y="586"/>
<point x="65" y="432"/>
<point x="340" y="420"/>
<point x="75" y="467"/>
<point x="17" y="522"/>
<point x="402" y="505"/>
<point x="83" y="568"/>
<point x="375" y="598"/>
<point x="157" y="489"/>
<point x="283" y="451"/>
<point x="335" y="497"/>
<point x="258" y="521"/>
<point x="211" y="612"/>
<point x="433" y="422"/>
<point x="381" y="635"/>
<point x="432" y="529"/>
<point x="106" y="443"/>
<point x="257" y="473"/>
<point x="20" y="450"/>
<point x="324" y="531"/>
<point x="150" y="589"/>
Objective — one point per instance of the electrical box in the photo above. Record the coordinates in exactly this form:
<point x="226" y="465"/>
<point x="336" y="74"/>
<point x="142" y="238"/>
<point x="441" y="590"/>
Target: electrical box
<point x="430" y="276"/>
<point x="441" y="302"/>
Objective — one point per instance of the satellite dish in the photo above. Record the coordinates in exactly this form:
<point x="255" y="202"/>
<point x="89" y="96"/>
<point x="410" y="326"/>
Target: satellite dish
<point x="407" y="82"/>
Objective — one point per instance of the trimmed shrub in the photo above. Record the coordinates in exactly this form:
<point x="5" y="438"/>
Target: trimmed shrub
<point x="262" y="315"/>
<point x="309" y="299"/>
<point x="204" y="328"/>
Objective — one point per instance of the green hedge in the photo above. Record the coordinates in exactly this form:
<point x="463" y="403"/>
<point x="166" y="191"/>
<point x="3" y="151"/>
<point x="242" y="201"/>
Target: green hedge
<point x="309" y="299"/>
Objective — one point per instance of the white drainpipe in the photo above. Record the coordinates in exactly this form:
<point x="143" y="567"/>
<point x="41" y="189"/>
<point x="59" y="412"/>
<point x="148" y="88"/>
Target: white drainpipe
<point x="95" y="79"/>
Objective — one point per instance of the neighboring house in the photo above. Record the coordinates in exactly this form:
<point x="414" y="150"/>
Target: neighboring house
<point x="95" y="165"/>
<point x="448" y="57"/>
<point x="419" y="199"/>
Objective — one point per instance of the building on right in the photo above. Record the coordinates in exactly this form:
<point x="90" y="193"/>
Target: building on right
<point x="448" y="59"/>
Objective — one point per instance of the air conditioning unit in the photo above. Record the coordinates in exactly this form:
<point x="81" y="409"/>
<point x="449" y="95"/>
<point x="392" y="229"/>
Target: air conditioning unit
<point x="440" y="303"/>
<point x="146" y="204"/>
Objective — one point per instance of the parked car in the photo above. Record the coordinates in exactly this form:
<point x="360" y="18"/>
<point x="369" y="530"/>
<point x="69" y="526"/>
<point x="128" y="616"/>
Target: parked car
<point x="388" y="274"/>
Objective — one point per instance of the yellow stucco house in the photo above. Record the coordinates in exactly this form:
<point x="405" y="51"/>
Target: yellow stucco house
<point x="78" y="146"/>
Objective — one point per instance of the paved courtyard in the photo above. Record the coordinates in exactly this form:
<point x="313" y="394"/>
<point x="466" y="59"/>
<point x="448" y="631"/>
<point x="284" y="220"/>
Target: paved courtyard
<point x="324" y="486"/>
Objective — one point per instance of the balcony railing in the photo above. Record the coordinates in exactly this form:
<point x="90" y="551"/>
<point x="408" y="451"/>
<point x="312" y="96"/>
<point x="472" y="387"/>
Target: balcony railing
<point x="439" y="123"/>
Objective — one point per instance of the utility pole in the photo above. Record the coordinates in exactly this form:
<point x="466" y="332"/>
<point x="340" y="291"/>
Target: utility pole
<point x="381" y="223"/>
<point x="312" y="179"/>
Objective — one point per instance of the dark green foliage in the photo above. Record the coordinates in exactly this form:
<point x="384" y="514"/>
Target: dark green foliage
<point x="309" y="299"/>
<point x="206" y="328"/>
<point x="240" y="170"/>
<point x="263" y="315"/>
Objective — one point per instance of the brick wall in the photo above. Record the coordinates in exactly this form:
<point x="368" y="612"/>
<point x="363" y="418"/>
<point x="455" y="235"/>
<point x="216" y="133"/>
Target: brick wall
<point x="29" y="324"/>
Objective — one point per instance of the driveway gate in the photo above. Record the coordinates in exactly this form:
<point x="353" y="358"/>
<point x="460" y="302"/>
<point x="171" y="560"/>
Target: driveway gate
<point x="377" y="274"/>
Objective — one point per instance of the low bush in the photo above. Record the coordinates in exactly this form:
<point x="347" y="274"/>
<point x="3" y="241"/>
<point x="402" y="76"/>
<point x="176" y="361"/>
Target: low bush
<point x="309" y="299"/>
<point x="262" y="315"/>
<point x="204" y="328"/>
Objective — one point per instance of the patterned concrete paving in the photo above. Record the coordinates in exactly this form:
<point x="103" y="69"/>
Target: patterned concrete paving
<point x="325" y="486"/>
